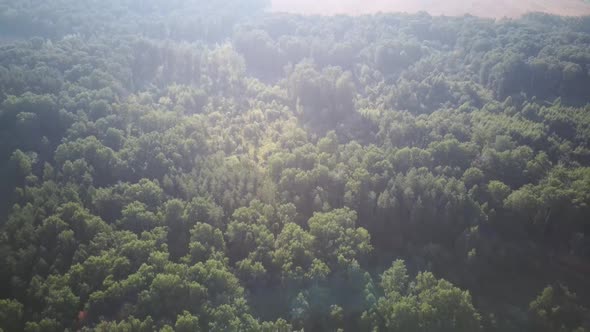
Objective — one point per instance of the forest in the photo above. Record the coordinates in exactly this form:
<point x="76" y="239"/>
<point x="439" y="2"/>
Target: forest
<point x="191" y="165"/>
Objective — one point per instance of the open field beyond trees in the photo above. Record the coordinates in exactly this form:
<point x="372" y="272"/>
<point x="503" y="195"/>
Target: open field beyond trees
<point x="482" y="8"/>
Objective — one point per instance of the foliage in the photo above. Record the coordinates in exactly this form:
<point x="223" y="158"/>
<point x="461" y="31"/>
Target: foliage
<point x="210" y="166"/>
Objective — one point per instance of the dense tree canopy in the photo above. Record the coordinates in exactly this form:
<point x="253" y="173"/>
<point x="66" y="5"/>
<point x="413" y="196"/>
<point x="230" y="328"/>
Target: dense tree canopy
<point x="209" y="166"/>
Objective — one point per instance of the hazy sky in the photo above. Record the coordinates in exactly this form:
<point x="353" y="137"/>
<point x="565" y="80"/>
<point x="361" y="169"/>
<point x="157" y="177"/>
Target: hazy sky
<point x="484" y="8"/>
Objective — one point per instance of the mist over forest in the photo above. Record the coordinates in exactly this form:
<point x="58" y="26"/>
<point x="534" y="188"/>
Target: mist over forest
<point x="188" y="165"/>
